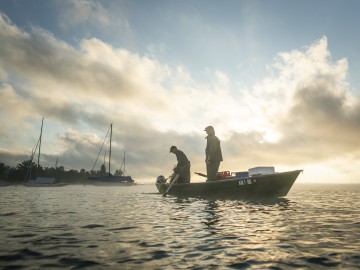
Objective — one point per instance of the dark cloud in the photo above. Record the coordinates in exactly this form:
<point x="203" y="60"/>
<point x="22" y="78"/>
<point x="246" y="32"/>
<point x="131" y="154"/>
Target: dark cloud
<point x="12" y="159"/>
<point x="325" y="119"/>
<point x="323" y="124"/>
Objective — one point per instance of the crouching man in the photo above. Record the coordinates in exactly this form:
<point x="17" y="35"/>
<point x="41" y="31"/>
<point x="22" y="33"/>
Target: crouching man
<point x="183" y="166"/>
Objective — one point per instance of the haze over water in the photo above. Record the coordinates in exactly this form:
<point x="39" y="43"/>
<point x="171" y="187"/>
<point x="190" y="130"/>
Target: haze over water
<point x="87" y="227"/>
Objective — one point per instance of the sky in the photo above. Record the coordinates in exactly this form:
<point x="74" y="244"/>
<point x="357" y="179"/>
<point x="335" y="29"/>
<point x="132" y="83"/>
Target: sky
<point x="277" y="79"/>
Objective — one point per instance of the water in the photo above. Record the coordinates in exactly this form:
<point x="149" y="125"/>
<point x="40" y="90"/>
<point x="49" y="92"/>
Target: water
<point x="87" y="227"/>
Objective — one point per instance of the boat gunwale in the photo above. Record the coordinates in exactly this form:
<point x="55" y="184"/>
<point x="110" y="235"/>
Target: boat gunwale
<point x="234" y="179"/>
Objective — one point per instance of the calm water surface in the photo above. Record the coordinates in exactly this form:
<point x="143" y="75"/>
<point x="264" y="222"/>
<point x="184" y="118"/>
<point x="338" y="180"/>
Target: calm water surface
<point x="87" y="227"/>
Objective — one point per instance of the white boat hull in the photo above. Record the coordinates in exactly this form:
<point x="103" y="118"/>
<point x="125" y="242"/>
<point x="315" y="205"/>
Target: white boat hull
<point x="100" y="183"/>
<point x="44" y="185"/>
<point x="44" y="182"/>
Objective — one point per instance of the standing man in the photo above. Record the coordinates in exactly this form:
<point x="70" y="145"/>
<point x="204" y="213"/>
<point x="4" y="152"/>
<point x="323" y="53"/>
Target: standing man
<point x="213" y="154"/>
<point x="183" y="166"/>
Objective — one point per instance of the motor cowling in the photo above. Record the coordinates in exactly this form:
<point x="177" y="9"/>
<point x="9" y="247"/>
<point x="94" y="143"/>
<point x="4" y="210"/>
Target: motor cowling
<point x="160" y="179"/>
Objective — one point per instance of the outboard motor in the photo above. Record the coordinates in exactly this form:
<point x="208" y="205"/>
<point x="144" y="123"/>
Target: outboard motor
<point x="160" y="179"/>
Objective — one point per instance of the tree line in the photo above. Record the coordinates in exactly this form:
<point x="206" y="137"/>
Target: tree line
<point x="27" y="170"/>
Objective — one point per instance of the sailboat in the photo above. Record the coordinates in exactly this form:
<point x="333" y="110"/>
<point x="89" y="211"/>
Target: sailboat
<point x="40" y="181"/>
<point x="109" y="179"/>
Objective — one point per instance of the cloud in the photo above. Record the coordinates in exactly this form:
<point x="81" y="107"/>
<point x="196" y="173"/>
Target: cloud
<point x="309" y="106"/>
<point x="303" y="114"/>
<point x="49" y="63"/>
<point x="97" y="72"/>
<point x="86" y="16"/>
<point x="82" y="11"/>
<point x="326" y="112"/>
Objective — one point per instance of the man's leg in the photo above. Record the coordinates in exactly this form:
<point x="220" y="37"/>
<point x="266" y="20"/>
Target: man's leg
<point x="212" y="170"/>
<point x="185" y="173"/>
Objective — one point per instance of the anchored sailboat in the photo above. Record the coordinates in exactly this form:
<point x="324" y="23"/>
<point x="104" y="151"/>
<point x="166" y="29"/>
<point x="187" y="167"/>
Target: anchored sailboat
<point x="109" y="179"/>
<point x="40" y="181"/>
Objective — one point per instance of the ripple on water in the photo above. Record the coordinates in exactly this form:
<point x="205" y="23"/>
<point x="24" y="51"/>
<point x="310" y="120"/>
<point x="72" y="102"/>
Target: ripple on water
<point x="83" y="227"/>
<point x="92" y="226"/>
<point x="8" y="214"/>
<point x="122" y="228"/>
<point x="327" y="262"/>
<point x="25" y="235"/>
<point x="77" y="263"/>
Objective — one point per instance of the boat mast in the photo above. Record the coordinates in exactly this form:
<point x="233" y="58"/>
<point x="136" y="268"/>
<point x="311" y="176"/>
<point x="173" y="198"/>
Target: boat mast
<point x="104" y="160"/>
<point x="110" y="147"/>
<point x="37" y="170"/>
<point x="101" y="149"/>
<point x="56" y="163"/>
<point x="33" y="152"/>
<point x="124" y="162"/>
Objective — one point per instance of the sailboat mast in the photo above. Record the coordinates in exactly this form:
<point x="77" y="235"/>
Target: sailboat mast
<point x="110" y="147"/>
<point x="104" y="159"/>
<point x="56" y="163"/>
<point x="42" y="123"/>
<point x="124" y="162"/>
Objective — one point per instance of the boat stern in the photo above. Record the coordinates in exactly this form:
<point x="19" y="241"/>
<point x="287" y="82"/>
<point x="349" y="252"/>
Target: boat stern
<point x="161" y="184"/>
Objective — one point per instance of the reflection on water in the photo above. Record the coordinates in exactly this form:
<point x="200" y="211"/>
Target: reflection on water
<point x="88" y="227"/>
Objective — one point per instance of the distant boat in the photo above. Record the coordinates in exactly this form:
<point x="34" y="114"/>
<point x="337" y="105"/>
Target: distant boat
<point x="4" y="183"/>
<point x="255" y="184"/>
<point x="44" y="182"/>
<point x="109" y="179"/>
<point x="40" y="181"/>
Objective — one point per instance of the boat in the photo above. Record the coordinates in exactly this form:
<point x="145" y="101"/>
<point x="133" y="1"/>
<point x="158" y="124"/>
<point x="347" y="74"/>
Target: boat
<point x="44" y="182"/>
<point x="110" y="179"/>
<point x="251" y="184"/>
<point x="40" y="181"/>
<point x="4" y="183"/>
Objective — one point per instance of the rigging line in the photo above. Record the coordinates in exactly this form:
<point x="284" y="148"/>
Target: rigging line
<point x="123" y="164"/>
<point x="31" y="159"/>
<point x="41" y="131"/>
<point x="101" y="148"/>
<point x="110" y="148"/>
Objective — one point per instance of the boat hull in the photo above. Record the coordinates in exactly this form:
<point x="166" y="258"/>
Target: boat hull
<point x="44" y="185"/>
<point x="4" y="183"/>
<point x="111" y="180"/>
<point x="103" y="183"/>
<point x="270" y="185"/>
<point x="44" y="182"/>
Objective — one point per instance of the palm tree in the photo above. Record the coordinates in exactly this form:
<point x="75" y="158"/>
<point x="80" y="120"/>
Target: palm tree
<point x="119" y="172"/>
<point x="4" y="171"/>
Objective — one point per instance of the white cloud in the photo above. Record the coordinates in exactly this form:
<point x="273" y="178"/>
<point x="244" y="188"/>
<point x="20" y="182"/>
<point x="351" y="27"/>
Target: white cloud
<point x="83" y="11"/>
<point x="90" y="16"/>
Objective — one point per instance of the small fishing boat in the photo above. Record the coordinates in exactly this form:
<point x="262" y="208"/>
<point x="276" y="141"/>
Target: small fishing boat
<point x="253" y="184"/>
<point x="109" y="179"/>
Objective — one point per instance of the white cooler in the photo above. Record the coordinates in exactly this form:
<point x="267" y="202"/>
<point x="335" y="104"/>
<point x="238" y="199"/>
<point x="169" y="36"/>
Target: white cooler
<point x="261" y="170"/>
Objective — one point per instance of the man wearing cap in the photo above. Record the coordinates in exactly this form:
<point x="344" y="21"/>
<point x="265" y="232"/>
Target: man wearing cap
<point x="183" y="165"/>
<point x="213" y="154"/>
